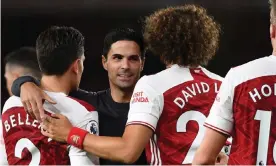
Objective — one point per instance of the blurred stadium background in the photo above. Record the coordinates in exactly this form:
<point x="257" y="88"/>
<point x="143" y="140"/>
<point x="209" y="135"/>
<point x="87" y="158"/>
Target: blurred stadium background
<point x="244" y="24"/>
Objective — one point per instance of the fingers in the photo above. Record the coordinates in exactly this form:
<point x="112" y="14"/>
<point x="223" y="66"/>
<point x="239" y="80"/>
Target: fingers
<point x="57" y="116"/>
<point x="28" y="108"/>
<point x="39" y="101"/>
<point x="57" y="129"/>
<point x="33" y="97"/>
<point x="25" y="105"/>
<point x="51" y="135"/>
<point x="46" y="97"/>
<point x="222" y="159"/>
<point x="47" y="124"/>
<point x="45" y="133"/>
<point x="49" y="119"/>
<point x="35" y="110"/>
<point x="40" y="105"/>
<point x="41" y="111"/>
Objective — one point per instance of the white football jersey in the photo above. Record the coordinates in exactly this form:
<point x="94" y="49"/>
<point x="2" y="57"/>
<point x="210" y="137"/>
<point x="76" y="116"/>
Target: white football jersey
<point x="17" y="122"/>
<point x="174" y="103"/>
<point x="245" y="108"/>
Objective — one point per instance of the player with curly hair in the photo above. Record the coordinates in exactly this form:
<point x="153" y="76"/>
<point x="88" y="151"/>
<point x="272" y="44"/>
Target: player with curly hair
<point x="168" y="109"/>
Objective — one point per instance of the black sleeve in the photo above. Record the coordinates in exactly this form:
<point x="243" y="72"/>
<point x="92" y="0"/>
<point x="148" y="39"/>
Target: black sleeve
<point x="89" y="97"/>
<point x="21" y="80"/>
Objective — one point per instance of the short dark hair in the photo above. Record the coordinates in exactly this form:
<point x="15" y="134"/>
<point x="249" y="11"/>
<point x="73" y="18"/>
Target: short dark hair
<point x="57" y="48"/>
<point x="24" y="57"/>
<point x="183" y="35"/>
<point x="273" y="11"/>
<point x="123" y="34"/>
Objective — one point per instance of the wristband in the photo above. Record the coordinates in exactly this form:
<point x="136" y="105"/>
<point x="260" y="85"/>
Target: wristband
<point x="76" y="137"/>
<point x="21" y="80"/>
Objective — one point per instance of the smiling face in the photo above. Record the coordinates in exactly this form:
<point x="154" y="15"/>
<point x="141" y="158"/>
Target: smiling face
<point x="123" y="64"/>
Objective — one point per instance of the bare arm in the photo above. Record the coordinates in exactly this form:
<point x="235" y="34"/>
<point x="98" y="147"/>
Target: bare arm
<point x="32" y="98"/>
<point x="127" y="148"/>
<point x="210" y="148"/>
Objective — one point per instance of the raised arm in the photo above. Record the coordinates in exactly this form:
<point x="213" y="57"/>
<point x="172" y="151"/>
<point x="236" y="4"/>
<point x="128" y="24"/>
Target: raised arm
<point x="32" y="96"/>
<point x="126" y="149"/>
<point x="142" y="121"/>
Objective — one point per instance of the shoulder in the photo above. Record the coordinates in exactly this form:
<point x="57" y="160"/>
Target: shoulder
<point x="13" y="101"/>
<point x="156" y="79"/>
<point x="253" y="65"/>
<point x="103" y="93"/>
<point x="251" y="70"/>
<point x="166" y="79"/>
<point x="68" y="103"/>
<point x="212" y="75"/>
<point x="87" y="96"/>
<point x="103" y="96"/>
<point x="85" y="104"/>
<point x="77" y="111"/>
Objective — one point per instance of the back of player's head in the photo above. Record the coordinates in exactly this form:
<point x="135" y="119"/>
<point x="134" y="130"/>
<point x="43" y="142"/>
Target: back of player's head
<point x="184" y="35"/>
<point x="273" y="11"/>
<point x="57" y="48"/>
<point x="25" y="59"/>
<point x="122" y="34"/>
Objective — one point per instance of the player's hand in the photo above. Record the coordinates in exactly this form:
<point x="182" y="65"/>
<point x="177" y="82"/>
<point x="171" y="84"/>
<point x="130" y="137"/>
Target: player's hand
<point x="32" y="98"/>
<point x="222" y="159"/>
<point x="57" y="127"/>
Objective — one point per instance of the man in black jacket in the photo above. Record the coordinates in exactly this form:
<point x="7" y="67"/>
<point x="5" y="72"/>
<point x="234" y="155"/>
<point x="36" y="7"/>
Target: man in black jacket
<point x="123" y="59"/>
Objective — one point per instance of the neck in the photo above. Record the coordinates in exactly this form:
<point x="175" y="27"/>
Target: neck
<point x="274" y="52"/>
<point x="169" y="66"/>
<point x="121" y="96"/>
<point x="55" y="84"/>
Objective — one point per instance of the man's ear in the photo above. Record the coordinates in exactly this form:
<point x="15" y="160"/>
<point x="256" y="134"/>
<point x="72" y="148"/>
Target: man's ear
<point x="15" y="75"/>
<point x="17" y="71"/>
<point x="143" y="63"/>
<point x="76" y="66"/>
<point x="104" y="62"/>
<point x="272" y="31"/>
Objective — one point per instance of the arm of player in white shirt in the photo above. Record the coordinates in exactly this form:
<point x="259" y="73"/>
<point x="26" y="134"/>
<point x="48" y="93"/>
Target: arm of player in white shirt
<point x="145" y="109"/>
<point x="146" y="105"/>
<point x="81" y="157"/>
<point x="219" y="124"/>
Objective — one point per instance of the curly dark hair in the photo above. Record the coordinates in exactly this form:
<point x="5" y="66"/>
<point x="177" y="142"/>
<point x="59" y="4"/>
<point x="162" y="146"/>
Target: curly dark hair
<point x="183" y="35"/>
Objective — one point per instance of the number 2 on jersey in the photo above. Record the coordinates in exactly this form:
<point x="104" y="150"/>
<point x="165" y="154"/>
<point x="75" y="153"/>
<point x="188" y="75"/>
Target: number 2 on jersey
<point x="265" y="121"/>
<point x="181" y="126"/>
<point x="26" y="143"/>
